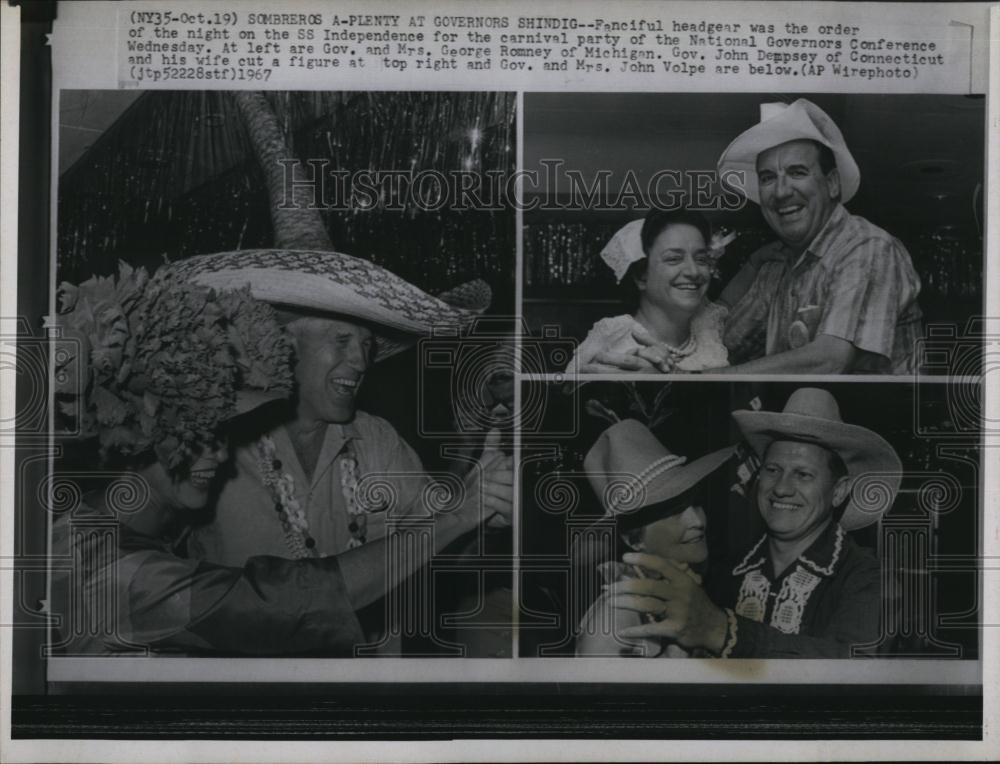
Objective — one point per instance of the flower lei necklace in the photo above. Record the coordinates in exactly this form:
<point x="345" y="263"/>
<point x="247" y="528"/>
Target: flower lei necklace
<point x="293" y="518"/>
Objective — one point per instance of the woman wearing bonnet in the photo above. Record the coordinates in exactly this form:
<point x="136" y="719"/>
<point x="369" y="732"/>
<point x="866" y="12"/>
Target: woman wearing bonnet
<point x="665" y="261"/>
<point x="164" y="367"/>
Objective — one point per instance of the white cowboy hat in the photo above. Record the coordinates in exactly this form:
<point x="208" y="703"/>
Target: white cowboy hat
<point x="629" y="468"/>
<point x="335" y="284"/>
<point x="811" y="415"/>
<point x="780" y="123"/>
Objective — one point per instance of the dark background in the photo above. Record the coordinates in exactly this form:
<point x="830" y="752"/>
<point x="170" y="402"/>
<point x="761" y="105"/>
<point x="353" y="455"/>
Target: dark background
<point x="173" y="174"/>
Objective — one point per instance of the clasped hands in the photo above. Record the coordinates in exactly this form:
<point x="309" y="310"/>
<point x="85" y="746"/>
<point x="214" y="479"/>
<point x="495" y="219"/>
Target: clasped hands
<point x="680" y="609"/>
<point x="492" y="479"/>
<point x="651" y="356"/>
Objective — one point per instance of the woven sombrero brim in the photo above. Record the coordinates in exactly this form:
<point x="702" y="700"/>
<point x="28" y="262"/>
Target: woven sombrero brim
<point x="250" y="400"/>
<point x="675" y="481"/>
<point x="337" y="284"/>
<point x="797" y="122"/>
<point x="866" y="454"/>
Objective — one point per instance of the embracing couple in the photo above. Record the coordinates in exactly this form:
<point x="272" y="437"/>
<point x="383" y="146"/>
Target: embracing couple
<point x="805" y="589"/>
<point x="222" y="392"/>
<point x="834" y="294"/>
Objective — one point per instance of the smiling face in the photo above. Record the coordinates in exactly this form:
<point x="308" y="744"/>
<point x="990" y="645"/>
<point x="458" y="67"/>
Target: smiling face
<point x="192" y="491"/>
<point x="679" y="537"/>
<point x="678" y="270"/>
<point x="797" y="489"/>
<point x="796" y="197"/>
<point x="333" y="357"/>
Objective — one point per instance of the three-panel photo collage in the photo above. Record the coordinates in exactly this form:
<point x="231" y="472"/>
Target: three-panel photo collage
<point x="515" y="377"/>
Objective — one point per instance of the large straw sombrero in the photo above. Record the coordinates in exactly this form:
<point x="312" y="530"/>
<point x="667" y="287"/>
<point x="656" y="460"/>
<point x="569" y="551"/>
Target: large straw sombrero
<point x="780" y="123"/>
<point x="629" y="469"/>
<point x="812" y="415"/>
<point x="339" y="285"/>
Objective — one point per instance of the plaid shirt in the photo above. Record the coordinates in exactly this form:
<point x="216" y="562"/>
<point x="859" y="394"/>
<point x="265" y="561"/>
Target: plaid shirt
<point x="855" y="282"/>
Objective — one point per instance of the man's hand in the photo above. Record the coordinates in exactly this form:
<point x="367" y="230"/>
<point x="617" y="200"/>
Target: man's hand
<point x="493" y="478"/>
<point x="825" y="354"/>
<point x="682" y="610"/>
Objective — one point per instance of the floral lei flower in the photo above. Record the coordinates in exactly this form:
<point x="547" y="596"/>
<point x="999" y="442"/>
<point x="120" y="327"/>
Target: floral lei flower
<point x="719" y="241"/>
<point x="282" y="488"/>
<point x="290" y="512"/>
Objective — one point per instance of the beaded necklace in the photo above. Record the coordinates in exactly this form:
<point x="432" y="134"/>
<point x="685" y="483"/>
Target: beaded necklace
<point x="683" y="351"/>
<point x="290" y="512"/>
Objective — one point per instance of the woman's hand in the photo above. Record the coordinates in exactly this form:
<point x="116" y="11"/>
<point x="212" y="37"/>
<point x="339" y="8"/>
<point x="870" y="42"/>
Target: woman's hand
<point x="680" y="607"/>
<point x="609" y="362"/>
<point x="650" y="357"/>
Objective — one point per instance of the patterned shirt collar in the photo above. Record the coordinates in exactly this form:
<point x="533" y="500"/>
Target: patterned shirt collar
<point x="347" y="430"/>
<point x="821" y="557"/>
<point x="755" y="558"/>
<point x="335" y="433"/>
<point x="336" y="438"/>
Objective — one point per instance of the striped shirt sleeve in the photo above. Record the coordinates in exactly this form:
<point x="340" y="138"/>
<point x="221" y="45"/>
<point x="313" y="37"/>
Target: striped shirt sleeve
<point x="868" y="291"/>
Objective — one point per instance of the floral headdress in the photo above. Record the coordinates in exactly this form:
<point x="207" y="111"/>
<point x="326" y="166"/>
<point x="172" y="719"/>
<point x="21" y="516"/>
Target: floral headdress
<point x="625" y="247"/>
<point x="163" y="363"/>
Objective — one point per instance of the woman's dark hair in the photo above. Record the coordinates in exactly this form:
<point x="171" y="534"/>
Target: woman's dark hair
<point x="628" y="528"/>
<point x="655" y="223"/>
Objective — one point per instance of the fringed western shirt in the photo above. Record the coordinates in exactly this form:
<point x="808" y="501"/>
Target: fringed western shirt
<point x="824" y="604"/>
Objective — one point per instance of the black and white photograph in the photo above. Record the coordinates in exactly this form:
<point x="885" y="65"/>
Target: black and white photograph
<point x="753" y="520"/>
<point x="798" y="234"/>
<point x="405" y="382"/>
<point x="243" y="409"/>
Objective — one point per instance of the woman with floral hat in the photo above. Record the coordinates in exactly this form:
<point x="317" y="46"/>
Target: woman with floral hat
<point x="163" y="369"/>
<point x="665" y="263"/>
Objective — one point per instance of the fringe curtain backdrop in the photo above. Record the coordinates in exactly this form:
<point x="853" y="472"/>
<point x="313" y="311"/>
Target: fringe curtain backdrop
<point x="175" y="176"/>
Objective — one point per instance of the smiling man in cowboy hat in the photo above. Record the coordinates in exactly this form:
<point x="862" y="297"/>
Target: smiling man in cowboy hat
<point x="835" y="293"/>
<point x="326" y="479"/>
<point x="805" y="589"/>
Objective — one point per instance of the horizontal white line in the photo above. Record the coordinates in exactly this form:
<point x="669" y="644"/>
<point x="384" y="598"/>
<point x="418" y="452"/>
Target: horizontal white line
<point x="701" y="377"/>
<point x="533" y="670"/>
